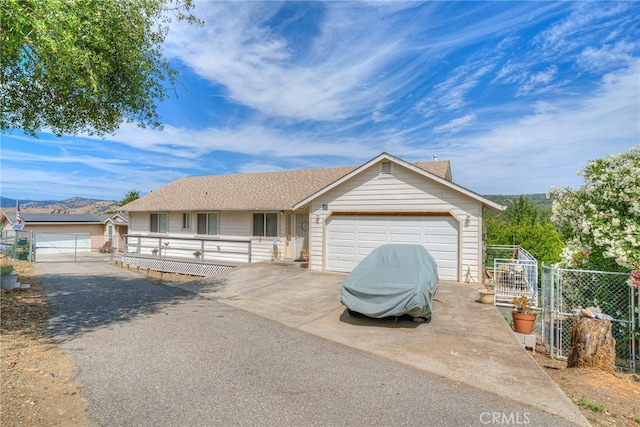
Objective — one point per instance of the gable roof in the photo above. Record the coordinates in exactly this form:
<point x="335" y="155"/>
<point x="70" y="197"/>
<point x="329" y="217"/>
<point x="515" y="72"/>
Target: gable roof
<point x="418" y="168"/>
<point x="252" y="191"/>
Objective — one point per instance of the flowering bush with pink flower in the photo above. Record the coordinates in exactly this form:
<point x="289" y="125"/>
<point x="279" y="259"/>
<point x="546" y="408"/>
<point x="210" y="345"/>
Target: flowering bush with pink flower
<point x="635" y="275"/>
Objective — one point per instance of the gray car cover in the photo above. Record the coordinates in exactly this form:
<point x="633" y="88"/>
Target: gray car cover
<point x="392" y="280"/>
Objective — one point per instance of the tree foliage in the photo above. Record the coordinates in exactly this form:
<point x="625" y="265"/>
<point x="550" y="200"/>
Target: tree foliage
<point x="129" y="197"/>
<point x="601" y="219"/>
<point x="85" y="65"/>
<point x="528" y="226"/>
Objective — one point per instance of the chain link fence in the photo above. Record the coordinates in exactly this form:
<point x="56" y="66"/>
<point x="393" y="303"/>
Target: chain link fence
<point x="17" y="244"/>
<point x="565" y="290"/>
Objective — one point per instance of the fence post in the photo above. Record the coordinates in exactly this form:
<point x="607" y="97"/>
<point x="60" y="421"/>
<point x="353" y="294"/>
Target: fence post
<point x="634" y="324"/>
<point x="552" y="333"/>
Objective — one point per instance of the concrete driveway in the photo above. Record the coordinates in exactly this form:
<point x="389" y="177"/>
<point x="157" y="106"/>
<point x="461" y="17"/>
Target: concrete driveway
<point x="466" y="341"/>
<point x="263" y="345"/>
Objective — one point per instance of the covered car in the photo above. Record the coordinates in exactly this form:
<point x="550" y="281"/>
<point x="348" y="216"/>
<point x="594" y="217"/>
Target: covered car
<point x="393" y="280"/>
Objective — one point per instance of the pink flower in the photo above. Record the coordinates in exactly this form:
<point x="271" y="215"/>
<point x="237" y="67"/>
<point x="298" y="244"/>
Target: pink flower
<point x="635" y="275"/>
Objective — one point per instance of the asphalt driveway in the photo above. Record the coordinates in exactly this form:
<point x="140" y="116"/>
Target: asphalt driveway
<point x="152" y="354"/>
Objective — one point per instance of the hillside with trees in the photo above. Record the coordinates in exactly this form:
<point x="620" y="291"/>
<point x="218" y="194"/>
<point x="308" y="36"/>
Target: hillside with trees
<point x="527" y="225"/>
<point x="538" y="199"/>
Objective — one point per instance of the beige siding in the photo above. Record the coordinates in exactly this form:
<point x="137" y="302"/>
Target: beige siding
<point x="403" y="191"/>
<point x="139" y="223"/>
<point x="235" y="224"/>
<point x="118" y="231"/>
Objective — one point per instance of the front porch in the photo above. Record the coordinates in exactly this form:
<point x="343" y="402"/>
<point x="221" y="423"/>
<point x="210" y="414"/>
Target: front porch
<point x="196" y="257"/>
<point x="201" y="257"/>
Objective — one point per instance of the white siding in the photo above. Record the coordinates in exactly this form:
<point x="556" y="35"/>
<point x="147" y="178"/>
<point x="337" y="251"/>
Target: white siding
<point x="403" y="191"/>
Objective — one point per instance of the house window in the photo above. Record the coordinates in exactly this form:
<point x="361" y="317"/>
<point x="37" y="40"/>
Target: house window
<point x="265" y="224"/>
<point x="186" y="221"/>
<point x="158" y="223"/>
<point x="208" y="223"/>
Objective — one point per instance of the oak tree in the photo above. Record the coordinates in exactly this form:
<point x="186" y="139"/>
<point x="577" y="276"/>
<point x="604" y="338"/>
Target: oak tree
<point x="71" y="66"/>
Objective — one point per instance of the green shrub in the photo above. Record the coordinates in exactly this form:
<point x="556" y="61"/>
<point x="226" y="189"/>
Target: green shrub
<point x="5" y="270"/>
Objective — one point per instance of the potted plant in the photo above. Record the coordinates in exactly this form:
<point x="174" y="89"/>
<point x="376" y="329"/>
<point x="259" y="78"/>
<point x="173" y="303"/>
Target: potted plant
<point x="304" y="257"/>
<point x="487" y="293"/>
<point x="523" y="318"/>
<point x="8" y="277"/>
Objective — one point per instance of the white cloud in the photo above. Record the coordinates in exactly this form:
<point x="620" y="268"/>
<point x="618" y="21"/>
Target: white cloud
<point x="263" y="70"/>
<point x="583" y="22"/>
<point x="450" y="94"/>
<point x="607" y="57"/>
<point x="549" y="146"/>
<point x="539" y="82"/>
<point x="456" y="125"/>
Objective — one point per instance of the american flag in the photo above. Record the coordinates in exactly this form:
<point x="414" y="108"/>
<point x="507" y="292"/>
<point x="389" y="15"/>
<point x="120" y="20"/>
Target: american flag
<point x="18" y="215"/>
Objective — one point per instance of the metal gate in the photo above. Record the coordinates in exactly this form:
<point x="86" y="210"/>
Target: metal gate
<point x="514" y="272"/>
<point x="564" y="291"/>
<point x="62" y="243"/>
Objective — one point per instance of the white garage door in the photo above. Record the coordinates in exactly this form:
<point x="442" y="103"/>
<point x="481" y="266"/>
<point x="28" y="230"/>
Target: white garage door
<point x="351" y="238"/>
<point x="56" y="243"/>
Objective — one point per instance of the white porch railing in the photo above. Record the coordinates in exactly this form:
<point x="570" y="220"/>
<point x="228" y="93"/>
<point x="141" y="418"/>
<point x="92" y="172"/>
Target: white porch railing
<point x="199" y="257"/>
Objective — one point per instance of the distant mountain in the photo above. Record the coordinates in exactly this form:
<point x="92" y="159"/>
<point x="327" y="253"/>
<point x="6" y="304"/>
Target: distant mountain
<point x="72" y="205"/>
<point x="5" y="202"/>
<point x="534" y="199"/>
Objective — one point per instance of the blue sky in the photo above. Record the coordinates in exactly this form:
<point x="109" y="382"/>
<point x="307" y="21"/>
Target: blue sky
<point x="517" y="95"/>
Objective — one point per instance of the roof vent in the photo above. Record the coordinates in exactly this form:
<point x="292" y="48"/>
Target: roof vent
<point x="385" y="168"/>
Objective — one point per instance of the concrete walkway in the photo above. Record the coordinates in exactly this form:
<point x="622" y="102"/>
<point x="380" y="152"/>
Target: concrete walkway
<point x="467" y="342"/>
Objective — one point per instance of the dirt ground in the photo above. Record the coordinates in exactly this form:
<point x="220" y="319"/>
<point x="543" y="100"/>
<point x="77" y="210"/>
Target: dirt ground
<point x="38" y="385"/>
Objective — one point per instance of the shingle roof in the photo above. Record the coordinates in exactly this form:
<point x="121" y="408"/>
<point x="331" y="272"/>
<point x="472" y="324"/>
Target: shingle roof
<point x="251" y="191"/>
<point x="441" y="168"/>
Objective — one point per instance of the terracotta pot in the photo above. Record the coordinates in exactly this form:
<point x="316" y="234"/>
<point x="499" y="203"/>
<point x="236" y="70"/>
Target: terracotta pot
<point x="523" y="323"/>
<point x="487" y="296"/>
